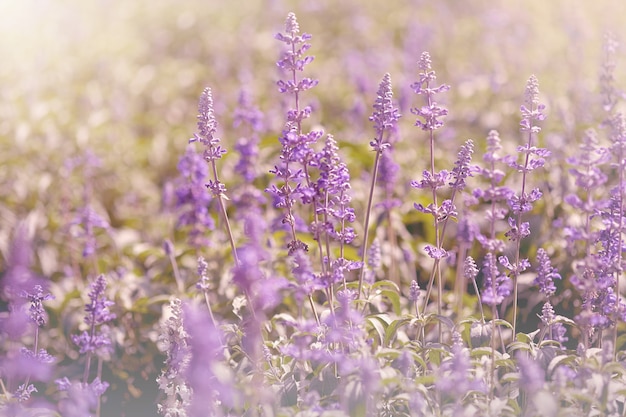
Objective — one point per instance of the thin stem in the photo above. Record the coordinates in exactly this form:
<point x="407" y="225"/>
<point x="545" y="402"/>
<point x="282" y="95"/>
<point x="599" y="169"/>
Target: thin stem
<point x="99" y="404"/>
<point x="220" y="200"/>
<point x="208" y="304"/>
<point x="367" y="218"/>
<point x="518" y="223"/>
<point x="620" y="229"/>
<point x="179" y="281"/>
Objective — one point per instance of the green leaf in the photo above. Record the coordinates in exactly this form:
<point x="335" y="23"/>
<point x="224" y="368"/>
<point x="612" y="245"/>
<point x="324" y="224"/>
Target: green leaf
<point x="519" y="345"/>
<point x="394" y="297"/>
<point x="392" y="330"/>
<point x="379" y="323"/>
<point x="558" y="361"/>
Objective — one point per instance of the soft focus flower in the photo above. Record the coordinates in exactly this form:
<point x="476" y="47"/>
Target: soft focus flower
<point x="174" y="341"/>
<point x="192" y="198"/>
<point x="81" y="399"/>
<point x="496" y="286"/>
<point x="546" y="274"/>
<point x="532" y="376"/>
<point x="210" y="380"/>
<point x="88" y="220"/>
<point x="98" y="314"/>
<point x="414" y="291"/>
<point x="37" y="313"/>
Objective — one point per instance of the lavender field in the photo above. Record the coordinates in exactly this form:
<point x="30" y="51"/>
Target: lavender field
<point x="315" y="208"/>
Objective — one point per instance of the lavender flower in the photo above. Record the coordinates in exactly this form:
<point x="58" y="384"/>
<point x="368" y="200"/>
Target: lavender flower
<point x="302" y="271"/>
<point x="174" y="341"/>
<point x="546" y="274"/>
<point x="81" y="398"/>
<point x="387" y="179"/>
<point x="204" y="284"/>
<point x="532" y="112"/>
<point x="207" y="128"/>
<point x="37" y="314"/>
<point x="608" y="91"/>
<point x="385" y="118"/>
<point x="463" y="167"/>
<point x="97" y="339"/>
<point x="556" y="330"/>
<point x="332" y="196"/>
<point x="532" y="376"/>
<point x="431" y="112"/>
<point x="206" y="135"/>
<point x="496" y="286"/>
<point x="193" y="199"/>
<point x="89" y="220"/>
<point x="414" y="291"/>
<point x="210" y="381"/>
<point x="293" y="59"/>
<point x="296" y="145"/>
<point x="385" y="114"/>
<point x="453" y="377"/>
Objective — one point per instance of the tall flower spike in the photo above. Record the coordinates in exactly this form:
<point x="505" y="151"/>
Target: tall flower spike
<point x="207" y="127"/>
<point x="385" y="114"/>
<point x="546" y="274"/>
<point x="174" y="341"/>
<point x="385" y="118"/>
<point x="533" y="157"/>
<point x="431" y="112"/>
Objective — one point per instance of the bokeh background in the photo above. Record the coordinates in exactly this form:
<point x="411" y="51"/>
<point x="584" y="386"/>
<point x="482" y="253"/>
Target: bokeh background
<point x="119" y="80"/>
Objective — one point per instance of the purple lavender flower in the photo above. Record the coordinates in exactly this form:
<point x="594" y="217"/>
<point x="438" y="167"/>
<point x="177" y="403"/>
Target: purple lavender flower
<point x="556" y="330"/>
<point x="346" y="325"/>
<point x="81" y="398"/>
<point x="385" y="118"/>
<point x="174" y="341"/>
<point x="432" y="181"/>
<point x="385" y="114"/>
<point x="374" y="255"/>
<point x="302" y="271"/>
<point x="532" y="377"/>
<point x="204" y="284"/>
<point x="247" y="113"/>
<point x="293" y="59"/>
<point x="24" y="392"/>
<point x="193" y="199"/>
<point x="97" y="338"/>
<point x="296" y="145"/>
<point x="496" y="286"/>
<point x="210" y="381"/>
<point x="453" y="376"/>
<point x="414" y="291"/>
<point x="470" y="269"/>
<point x="608" y="91"/>
<point x="463" y="167"/>
<point x="332" y="195"/>
<point x="207" y="127"/>
<point x="88" y="220"/>
<point x="532" y="111"/>
<point x="387" y="179"/>
<point x="435" y="253"/>
<point x="432" y="111"/>
<point x="546" y="274"/>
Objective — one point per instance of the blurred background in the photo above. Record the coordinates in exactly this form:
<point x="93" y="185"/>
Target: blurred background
<point x="119" y="81"/>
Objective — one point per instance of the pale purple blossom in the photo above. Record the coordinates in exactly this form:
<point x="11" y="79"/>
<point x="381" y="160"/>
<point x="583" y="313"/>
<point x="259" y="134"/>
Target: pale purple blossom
<point x="385" y="115"/>
<point x="546" y="274"/>
<point x="432" y="112"/>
